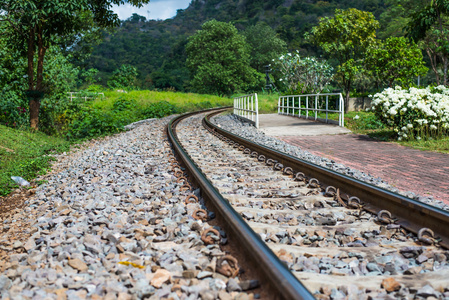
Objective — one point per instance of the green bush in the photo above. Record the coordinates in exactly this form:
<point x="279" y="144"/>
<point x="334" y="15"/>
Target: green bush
<point x="91" y="122"/>
<point x="159" y="110"/>
<point x="13" y="110"/>
<point x="122" y="104"/>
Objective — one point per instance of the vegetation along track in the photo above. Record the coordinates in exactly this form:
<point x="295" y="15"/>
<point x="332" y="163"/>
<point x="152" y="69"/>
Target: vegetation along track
<point x="339" y="236"/>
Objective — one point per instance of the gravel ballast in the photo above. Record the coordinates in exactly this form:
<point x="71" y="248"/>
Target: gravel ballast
<point x="246" y="130"/>
<point x="111" y="222"/>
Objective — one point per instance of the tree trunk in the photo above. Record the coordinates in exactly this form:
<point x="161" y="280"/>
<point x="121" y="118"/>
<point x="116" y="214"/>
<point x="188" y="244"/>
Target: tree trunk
<point x="34" y="105"/>
<point x="31" y="60"/>
<point x="34" y="113"/>
<point x="445" y="70"/>
<point x="41" y="49"/>
<point x="433" y="63"/>
<point x="35" y="89"/>
<point x="347" y="86"/>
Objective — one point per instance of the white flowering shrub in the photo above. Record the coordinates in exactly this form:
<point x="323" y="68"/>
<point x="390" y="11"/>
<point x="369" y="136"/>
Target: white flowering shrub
<point x="414" y="113"/>
<point x="302" y="74"/>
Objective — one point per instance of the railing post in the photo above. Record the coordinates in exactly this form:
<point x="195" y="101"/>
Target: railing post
<point x="284" y="108"/>
<point x="342" y="115"/>
<point x="279" y="105"/>
<point x="247" y="107"/>
<point x="257" y="112"/>
<point x="307" y="107"/>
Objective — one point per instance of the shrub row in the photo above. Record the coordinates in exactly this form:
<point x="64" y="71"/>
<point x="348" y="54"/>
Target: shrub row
<point x="414" y="113"/>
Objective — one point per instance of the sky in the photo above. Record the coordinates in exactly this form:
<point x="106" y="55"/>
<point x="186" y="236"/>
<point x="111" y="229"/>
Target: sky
<point x="156" y="9"/>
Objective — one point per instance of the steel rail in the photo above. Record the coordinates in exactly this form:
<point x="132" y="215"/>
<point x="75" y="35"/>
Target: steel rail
<point x="410" y="214"/>
<point x="282" y="283"/>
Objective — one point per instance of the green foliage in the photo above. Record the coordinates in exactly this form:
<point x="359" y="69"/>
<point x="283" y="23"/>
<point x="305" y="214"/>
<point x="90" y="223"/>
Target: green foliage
<point x="60" y="78"/>
<point x="109" y="115"/>
<point x="90" y="76"/>
<point x="430" y="25"/>
<point x="123" y="78"/>
<point x="35" y="26"/>
<point x="122" y="104"/>
<point x="265" y="45"/>
<point x="345" y="38"/>
<point x="302" y="75"/>
<point x="91" y="122"/>
<point x="159" y="110"/>
<point x="13" y="112"/>
<point x="165" y="40"/>
<point x="361" y="122"/>
<point x="25" y="154"/>
<point x="218" y="57"/>
<point x="395" y="61"/>
<point x="13" y="104"/>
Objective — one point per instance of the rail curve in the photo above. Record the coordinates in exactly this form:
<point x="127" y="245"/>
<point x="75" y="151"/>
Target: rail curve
<point x="287" y="213"/>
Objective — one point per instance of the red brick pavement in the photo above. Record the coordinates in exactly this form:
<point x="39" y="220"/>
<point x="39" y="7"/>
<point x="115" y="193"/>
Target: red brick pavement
<point x="424" y="173"/>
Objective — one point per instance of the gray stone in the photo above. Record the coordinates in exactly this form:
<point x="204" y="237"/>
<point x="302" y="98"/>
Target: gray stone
<point x="233" y="286"/>
<point x="372" y="267"/>
<point x="5" y="283"/>
<point x="337" y="295"/>
<point x="249" y="284"/>
<point x="427" y="291"/>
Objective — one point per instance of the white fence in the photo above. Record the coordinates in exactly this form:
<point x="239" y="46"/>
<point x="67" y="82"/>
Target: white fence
<point x="247" y="107"/>
<point x="72" y="95"/>
<point x="323" y="104"/>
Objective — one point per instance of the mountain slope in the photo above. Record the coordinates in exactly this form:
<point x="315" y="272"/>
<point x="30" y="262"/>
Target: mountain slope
<point x="156" y="48"/>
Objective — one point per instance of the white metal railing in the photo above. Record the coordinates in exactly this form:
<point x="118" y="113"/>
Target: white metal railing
<point x="301" y="105"/>
<point x="71" y="95"/>
<point x="247" y="107"/>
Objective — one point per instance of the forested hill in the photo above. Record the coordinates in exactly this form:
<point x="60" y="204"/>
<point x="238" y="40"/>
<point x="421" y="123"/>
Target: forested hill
<point x="156" y="48"/>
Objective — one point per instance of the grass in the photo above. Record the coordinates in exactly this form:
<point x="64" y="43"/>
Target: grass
<point x="24" y="154"/>
<point x="183" y="101"/>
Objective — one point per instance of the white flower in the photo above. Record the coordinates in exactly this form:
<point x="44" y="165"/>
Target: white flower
<point x="356" y="117"/>
<point x="418" y="138"/>
<point x="409" y="126"/>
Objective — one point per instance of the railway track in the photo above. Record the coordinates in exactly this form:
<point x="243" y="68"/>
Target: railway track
<point x="311" y="233"/>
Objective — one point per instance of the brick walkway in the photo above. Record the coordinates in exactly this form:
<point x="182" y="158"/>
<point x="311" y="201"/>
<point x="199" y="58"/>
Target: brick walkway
<point x="424" y="173"/>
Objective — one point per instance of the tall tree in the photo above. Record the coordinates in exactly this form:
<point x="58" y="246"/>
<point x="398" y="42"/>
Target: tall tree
<point x="345" y="37"/>
<point x="431" y="25"/>
<point x="218" y="57"/>
<point x="265" y="45"/>
<point x="395" y="60"/>
<point x="39" y="24"/>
